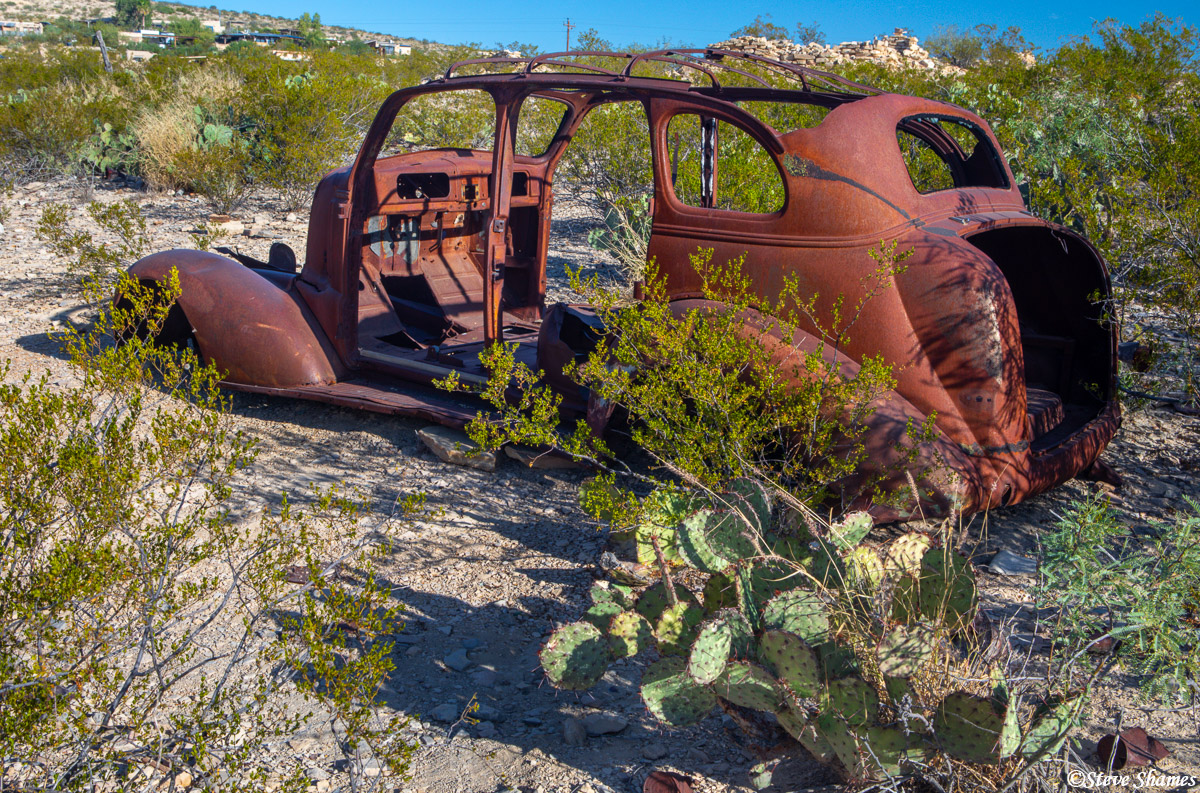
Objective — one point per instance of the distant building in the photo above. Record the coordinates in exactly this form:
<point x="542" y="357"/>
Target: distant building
<point x="138" y="55"/>
<point x="261" y="39"/>
<point x="11" y="27"/>
<point x="386" y="48"/>
<point x="292" y="55"/>
<point x="213" y="24"/>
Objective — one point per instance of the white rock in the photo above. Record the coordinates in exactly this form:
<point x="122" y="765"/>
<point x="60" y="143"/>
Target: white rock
<point x="453" y="446"/>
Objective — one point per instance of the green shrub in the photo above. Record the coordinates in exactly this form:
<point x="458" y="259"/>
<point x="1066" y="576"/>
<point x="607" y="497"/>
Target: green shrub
<point x="90" y="260"/>
<point x="145" y="633"/>
<point x="1106" y="585"/>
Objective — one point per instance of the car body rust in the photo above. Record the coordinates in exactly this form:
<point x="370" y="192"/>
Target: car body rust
<point x="417" y="260"/>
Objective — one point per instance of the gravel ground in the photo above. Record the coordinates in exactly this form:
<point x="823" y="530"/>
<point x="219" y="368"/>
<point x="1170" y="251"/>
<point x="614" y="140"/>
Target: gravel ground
<point x="511" y="555"/>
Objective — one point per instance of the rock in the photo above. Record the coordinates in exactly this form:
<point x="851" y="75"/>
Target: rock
<point x="316" y="774"/>
<point x="575" y="732"/>
<point x="654" y="751"/>
<point x="453" y="446"/>
<point x="183" y="780"/>
<point x="446" y="713"/>
<point x="472" y="643"/>
<point x="323" y="786"/>
<point x="291" y="217"/>
<point x="485" y="729"/>
<point x="1006" y="562"/>
<point x="485" y="712"/>
<point x="545" y="461"/>
<point x="484" y="678"/>
<point x="457" y="660"/>
<point x="603" y="724"/>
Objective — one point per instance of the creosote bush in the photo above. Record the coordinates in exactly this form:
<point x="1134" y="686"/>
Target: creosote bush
<point x="148" y="628"/>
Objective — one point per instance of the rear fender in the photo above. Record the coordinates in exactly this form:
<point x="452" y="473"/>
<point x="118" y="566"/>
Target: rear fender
<point x="254" y="330"/>
<point x="945" y="476"/>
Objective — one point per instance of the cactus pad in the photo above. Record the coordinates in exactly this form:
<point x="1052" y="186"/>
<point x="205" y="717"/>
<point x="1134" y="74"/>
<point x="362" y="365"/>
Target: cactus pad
<point x="853" y="699"/>
<point x="969" y="727"/>
<point x="947" y="589"/>
<point x="865" y="568"/>
<point x="752" y="501"/>
<point x="1051" y="723"/>
<point x="745" y="646"/>
<point x="756" y="583"/>
<point x="793" y="661"/>
<point x="905" y="649"/>
<point x="671" y="695"/>
<point x="575" y="656"/>
<point x="677" y="627"/>
<point x="904" y="554"/>
<point x="749" y="686"/>
<point x="844" y="743"/>
<point x="718" y="593"/>
<point x="806" y="732"/>
<point x="653" y="601"/>
<point x="800" y="612"/>
<point x="837" y="660"/>
<point x="827" y="567"/>
<point x="601" y="614"/>
<point x="711" y="651"/>
<point x="889" y="747"/>
<point x="851" y="530"/>
<point x="629" y="634"/>
<point x="604" y="592"/>
<point x="711" y="541"/>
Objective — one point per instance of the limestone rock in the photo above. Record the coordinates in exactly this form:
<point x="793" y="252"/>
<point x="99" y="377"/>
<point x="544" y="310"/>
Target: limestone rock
<point x="453" y="446"/>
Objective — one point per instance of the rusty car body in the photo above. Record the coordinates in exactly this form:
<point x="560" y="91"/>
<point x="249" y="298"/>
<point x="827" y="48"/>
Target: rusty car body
<point x="416" y="261"/>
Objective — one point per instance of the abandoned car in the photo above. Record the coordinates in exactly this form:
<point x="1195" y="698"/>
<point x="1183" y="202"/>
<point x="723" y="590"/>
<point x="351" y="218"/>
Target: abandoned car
<point x="420" y="256"/>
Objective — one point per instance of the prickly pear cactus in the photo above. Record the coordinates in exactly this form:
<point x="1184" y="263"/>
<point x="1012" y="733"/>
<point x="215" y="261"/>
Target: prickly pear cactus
<point x="852" y="530"/>
<point x="673" y="697"/>
<point x="831" y="647"/>
<point x="576" y="656"/>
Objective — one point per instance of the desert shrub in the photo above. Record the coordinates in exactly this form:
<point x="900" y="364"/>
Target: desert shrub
<point x="147" y="636"/>
<point x="1107" y="587"/>
<point x="90" y="260"/>
<point x="217" y="166"/>
<point x="172" y="127"/>
<point x="306" y="123"/>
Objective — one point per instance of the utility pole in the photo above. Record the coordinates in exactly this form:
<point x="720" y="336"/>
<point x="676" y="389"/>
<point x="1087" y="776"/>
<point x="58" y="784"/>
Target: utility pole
<point x="103" y="52"/>
<point x="568" y="26"/>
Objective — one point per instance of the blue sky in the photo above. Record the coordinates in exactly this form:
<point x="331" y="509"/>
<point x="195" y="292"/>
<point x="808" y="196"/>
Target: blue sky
<point x="700" y="22"/>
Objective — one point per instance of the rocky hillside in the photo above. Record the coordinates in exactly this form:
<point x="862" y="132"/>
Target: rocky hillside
<point x="46" y="10"/>
<point x="899" y="50"/>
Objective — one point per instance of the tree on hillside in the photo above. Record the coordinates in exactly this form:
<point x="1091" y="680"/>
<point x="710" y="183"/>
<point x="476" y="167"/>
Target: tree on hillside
<point x="312" y="34"/>
<point x="806" y="33"/>
<point x="961" y="48"/>
<point x="132" y="13"/>
<point x="762" y="26"/>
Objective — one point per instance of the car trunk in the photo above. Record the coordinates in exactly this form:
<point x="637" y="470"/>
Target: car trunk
<point x="1060" y="288"/>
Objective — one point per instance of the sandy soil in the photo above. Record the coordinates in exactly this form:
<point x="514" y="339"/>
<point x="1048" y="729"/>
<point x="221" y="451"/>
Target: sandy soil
<point x="512" y="555"/>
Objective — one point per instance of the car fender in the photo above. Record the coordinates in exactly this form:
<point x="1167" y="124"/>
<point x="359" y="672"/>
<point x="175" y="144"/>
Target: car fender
<point x="945" y="477"/>
<point x="256" y="331"/>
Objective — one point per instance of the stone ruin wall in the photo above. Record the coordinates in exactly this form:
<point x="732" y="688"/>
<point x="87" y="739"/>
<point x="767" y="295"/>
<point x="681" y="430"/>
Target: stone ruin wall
<point x="897" y="51"/>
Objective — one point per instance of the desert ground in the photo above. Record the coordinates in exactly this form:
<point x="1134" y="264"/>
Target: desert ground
<point x="511" y="555"/>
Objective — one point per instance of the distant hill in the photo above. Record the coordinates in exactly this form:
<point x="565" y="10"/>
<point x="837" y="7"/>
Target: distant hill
<point x="47" y="10"/>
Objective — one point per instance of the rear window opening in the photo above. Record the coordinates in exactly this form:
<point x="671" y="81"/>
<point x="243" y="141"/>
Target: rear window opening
<point x="945" y="152"/>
